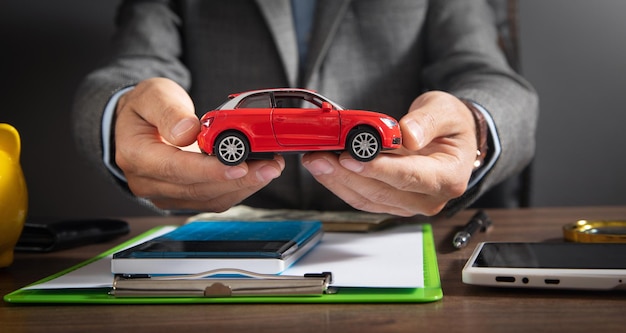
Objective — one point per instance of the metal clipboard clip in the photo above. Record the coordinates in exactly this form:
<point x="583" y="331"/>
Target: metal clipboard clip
<point x="205" y="285"/>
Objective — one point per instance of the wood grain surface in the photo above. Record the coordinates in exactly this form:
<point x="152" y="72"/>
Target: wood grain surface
<point x="464" y="308"/>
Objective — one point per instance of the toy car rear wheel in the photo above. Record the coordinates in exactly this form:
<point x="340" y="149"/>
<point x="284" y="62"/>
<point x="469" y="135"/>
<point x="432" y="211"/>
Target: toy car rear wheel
<point x="232" y="148"/>
<point x="364" y="144"/>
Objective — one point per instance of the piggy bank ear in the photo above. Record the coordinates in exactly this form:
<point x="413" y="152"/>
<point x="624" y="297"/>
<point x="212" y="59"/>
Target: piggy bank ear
<point x="10" y="141"/>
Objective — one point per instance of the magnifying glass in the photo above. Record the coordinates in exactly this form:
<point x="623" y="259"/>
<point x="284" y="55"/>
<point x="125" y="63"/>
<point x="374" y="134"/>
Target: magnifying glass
<point x="598" y="231"/>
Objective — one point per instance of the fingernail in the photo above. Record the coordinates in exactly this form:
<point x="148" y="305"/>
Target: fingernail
<point x="235" y="172"/>
<point x="267" y="173"/>
<point x="416" y="131"/>
<point x="352" y="165"/>
<point x="182" y="127"/>
<point x="319" y="167"/>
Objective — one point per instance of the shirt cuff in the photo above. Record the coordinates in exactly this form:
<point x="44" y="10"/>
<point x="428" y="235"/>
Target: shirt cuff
<point x="493" y="142"/>
<point x="108" y="145"/>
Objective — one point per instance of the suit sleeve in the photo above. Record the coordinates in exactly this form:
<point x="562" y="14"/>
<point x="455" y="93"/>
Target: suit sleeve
<point x="465" y="60"/>
<point x="146" y="44"/>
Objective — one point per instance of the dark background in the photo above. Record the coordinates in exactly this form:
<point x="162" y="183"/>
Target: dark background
<point x="47" y="48"/>
<point x="573" y="51"/>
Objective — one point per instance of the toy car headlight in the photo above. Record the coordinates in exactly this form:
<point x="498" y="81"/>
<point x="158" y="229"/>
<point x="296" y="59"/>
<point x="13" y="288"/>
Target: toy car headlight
<point x="391" y="123"/>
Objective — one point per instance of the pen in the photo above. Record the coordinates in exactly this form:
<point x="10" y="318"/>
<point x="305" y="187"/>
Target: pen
<point x="480" y="221"/>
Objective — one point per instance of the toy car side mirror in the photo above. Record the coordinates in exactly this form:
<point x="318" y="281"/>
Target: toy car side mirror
<point x="326" y="107"/>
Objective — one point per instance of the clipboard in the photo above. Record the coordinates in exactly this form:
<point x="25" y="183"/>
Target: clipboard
<point x="430" y="292"/>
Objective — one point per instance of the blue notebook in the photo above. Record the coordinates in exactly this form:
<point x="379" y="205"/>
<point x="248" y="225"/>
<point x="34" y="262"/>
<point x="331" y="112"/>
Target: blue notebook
<point x="261" y="247"/>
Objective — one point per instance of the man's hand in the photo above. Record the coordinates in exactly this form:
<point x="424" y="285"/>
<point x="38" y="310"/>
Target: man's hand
<point x="433" y="166"/>
<point x="152" y="122"/>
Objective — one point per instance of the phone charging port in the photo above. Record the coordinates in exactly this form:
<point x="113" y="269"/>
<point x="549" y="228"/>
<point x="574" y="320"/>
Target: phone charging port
<point x="505" y="279"/>
<point x="552" y="281"/>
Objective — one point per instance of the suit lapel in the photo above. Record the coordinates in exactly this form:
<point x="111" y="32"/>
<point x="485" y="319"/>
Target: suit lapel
<point x="328" y="17"/>
<point x="277" y="14"/>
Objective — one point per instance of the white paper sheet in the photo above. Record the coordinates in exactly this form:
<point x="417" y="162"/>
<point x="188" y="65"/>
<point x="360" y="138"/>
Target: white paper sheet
<point x="391" y="258"/>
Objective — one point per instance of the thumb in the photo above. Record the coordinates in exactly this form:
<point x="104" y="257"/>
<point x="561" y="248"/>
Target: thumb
<point x="167" y="106"/>
<point x="418" y="125"/>
<point x="433" y="114"/>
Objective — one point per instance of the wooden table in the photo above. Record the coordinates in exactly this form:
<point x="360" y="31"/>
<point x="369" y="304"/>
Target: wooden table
<point x="463" y="308"/>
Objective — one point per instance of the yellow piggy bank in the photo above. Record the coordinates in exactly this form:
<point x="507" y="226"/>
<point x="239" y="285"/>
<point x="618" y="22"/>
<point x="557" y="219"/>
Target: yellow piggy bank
<point x="13" y="194"/>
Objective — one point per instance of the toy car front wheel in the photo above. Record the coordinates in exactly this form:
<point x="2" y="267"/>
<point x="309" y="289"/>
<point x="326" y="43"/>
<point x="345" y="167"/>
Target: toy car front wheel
<point x="232" y="148"/>
<point x="364" y="144"/>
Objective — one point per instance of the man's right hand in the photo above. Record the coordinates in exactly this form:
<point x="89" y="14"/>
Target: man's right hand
<point x="153" y="121"/>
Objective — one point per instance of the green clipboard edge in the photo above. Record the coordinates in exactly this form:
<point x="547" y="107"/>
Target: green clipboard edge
<point x="431" y="292"/>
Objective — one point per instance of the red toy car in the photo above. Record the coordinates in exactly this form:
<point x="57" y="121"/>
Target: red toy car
<point x="257" y="124"/>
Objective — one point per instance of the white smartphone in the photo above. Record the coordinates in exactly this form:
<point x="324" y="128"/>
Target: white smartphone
<point x="594" y="266"/>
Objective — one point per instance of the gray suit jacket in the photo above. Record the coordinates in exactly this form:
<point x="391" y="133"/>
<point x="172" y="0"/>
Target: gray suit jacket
<point x="368" y="54"/>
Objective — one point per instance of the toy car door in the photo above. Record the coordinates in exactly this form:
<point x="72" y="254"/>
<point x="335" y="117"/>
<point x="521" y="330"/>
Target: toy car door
<point x="300" y="120"/>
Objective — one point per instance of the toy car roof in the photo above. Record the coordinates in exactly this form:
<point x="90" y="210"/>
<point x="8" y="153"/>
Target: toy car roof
<point x="231" y="96"/>
<point x="233" y="99"/>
